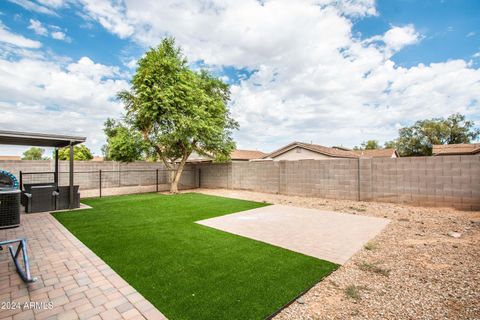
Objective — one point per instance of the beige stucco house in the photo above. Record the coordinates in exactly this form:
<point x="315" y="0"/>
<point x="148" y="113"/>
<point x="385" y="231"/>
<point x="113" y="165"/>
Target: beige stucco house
<point x="302" y="151"/>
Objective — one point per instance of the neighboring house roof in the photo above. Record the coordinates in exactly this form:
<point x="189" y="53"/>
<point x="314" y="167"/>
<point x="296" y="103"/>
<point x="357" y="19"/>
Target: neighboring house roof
<point x="455" y="149"/>
<point x="97" y="158"/>
<point x="332" y="152"/>
<point x="335" y="152"/>
<point x="247" y="154"/>
<point x="342" y="148"/>
<point x="195" y="157"/>
<point x="236" y="155"/>
<point x="10" y="158"/>
<point x="377" y="153"/>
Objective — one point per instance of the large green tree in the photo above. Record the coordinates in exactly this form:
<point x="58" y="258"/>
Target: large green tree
<point x="34" y="153"/>
<point x="80" y="152"/>
<point x="418" y="139"/>
<point x="177" y="110"/>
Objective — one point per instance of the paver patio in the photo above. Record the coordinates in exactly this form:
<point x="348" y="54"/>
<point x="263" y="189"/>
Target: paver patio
<point x="77" y="282"/>
<point x="325" y="235"/>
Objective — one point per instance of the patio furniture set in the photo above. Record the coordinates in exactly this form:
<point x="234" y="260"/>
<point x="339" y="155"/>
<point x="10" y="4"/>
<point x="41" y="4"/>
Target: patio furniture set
<point x="40" y="197"/>
<point x="35" y="197"/>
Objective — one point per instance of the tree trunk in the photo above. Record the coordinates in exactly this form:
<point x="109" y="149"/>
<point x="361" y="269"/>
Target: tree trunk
<point x="178" y="174"/>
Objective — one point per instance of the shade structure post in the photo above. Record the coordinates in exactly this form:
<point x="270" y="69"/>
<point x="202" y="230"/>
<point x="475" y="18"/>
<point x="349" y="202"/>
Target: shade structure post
<point x="71" y="177"/>
<point x="55" y="177"/>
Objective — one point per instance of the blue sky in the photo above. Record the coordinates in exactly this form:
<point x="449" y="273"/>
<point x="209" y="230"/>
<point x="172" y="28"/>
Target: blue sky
<point x="335" y="74"/>
<point x="87" y="37"/>
<point x="451" y="28"/>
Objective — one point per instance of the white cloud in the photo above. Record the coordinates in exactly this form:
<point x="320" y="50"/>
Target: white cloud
<point x="32" y="6"/>
<point x="131" y="63"/>
<point x="356" y="8"/>
<point x="398" y="37"/>
<point x="17" y="40"/>
<point x="395" y="39"/>
<point x="48" y="96"/>
<point x="52" y="3"/>
<point x="470" y="34"/>
<point x="55" y="31"/>
<point x="37" y="27"/>
<point x="59" y="35"/>
<point x="110" y="15"/>
<point x="85" y="67"/>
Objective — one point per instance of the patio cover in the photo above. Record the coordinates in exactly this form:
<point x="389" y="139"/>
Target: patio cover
<point x="38" y="139"/>
<point x="45" y="140"/>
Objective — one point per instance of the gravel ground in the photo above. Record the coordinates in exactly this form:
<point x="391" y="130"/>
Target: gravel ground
<point x="412" y="270"/>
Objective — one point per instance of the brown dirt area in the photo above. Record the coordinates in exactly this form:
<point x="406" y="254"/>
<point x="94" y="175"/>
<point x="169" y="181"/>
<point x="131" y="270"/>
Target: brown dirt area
<point x="412" y="270"/>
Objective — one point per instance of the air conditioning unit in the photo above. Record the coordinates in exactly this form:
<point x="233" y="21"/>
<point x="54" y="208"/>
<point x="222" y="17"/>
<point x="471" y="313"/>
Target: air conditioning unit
<point x="9" y="200"/>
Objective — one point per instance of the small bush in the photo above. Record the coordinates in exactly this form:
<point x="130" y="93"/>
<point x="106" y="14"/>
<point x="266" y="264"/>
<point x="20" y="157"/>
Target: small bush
<point x="353" y="292"/>
<point x="370" y="246"/>
<point x="359" y="209"/>
<point x="365" y="266"/>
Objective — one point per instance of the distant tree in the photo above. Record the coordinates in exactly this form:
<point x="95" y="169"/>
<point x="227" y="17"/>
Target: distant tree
<point x="80" y="152"/>
<point x="390" y="144"/>
<point x="417" y="140"/>
<point x="123" y="143"/>
<point x="177" y="110"/>
<point x="368" y="145"/>
<point x="34" y="153"/>
<point x="105" y="151"/>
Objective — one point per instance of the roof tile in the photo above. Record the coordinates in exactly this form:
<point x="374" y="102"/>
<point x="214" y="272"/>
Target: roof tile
<point x="246" y="154"/>
<point x="456" y="149"/>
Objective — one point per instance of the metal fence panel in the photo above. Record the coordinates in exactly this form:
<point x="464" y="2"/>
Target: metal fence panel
<point x="115" y="182"/>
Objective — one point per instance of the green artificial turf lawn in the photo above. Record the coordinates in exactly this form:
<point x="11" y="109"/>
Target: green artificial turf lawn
<point x="190" y="271"/>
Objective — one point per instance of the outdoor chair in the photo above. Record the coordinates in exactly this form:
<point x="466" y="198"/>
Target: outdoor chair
<point x="62" y="198"/>
<point x="27" y="187"/>
<point x="39" y="199"/>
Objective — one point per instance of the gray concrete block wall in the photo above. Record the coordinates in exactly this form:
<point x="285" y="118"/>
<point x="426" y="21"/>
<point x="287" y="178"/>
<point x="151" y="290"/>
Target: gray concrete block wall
<point x="214" y="175"/>
<point x="430" y="181"/>
<point x="365" y="175"/>
<point x="189" y="179"/>
<point x="334" y="179"/>
<point x="260" y="176"/>
<point x="452" y="181"/>
<point x="15" y="166"/>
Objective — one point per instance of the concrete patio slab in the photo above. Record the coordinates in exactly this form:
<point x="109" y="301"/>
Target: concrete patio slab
<point x="73" y="282"/>
<point x="326" y="235"/>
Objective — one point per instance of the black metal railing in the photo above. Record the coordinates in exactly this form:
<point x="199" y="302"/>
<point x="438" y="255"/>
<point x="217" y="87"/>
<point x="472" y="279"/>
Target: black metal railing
<point x="97" y="181"/>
